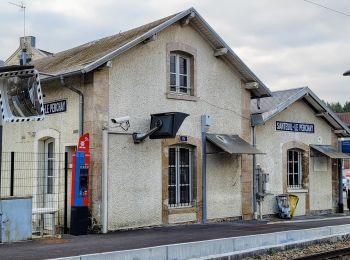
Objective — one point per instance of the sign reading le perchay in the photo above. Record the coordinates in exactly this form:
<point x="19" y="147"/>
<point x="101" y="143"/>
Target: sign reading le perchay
<point x="295" y="127"/>
<point x="55" y="107"/>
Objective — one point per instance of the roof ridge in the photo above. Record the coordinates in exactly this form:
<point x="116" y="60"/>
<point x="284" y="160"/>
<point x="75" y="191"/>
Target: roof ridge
<point x="289" y="89"/>
<point x="294" y="97"/>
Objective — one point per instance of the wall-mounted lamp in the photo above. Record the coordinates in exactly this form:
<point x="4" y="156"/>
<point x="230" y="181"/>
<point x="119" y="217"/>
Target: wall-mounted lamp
<point x="163" y="125"/>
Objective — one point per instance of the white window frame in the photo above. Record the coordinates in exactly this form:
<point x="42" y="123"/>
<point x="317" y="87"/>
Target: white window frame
<point x="50" y="173"/>
<point x="177" y="74"/>
<point x="300" y="168"/>
<point x="177" y="166"/>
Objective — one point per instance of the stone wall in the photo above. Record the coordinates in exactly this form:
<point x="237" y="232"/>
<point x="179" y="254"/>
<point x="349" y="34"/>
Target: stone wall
<point x="317" y="190"/>
<point x="138" y="88"/>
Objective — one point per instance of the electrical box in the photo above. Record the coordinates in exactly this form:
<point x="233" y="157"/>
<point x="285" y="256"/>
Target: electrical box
<point x="207" y="121"/>
<point x="15" y="219"/>
<point x="262" y="183"/>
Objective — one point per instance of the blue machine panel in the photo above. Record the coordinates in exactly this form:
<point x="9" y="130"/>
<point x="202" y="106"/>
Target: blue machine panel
<point x="346" y="146"/>
<point x="80" y="179"/>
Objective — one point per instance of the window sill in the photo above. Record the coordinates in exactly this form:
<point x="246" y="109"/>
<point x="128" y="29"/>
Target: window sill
<point x="182" y="210"/>
<point x="300" y="190"/>
<point x="181" y="97"/>
<point x="180" y="207"/>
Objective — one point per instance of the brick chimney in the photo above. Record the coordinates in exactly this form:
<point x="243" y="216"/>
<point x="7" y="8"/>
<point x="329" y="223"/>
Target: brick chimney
<point x="27" y="42"/>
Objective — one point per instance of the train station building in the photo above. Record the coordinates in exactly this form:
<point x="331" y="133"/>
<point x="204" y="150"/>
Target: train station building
<point x="176" y="64"/>
<point x="300" y="137"/>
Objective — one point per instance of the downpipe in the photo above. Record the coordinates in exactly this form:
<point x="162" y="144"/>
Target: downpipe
<point x="340" y="181"/>
<point x="104" y="212"/>
<point x="255" y="178"/>
<point x="81" y="104"/>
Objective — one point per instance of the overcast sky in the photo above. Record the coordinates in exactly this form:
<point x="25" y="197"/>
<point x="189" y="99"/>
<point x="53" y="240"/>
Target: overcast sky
<point x="286" y="43"/>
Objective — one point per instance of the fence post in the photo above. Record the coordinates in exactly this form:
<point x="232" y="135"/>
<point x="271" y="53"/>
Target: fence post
<point x="65" y="193"/>
<point x="0" y="156"/>
<point x="12" y="173"/>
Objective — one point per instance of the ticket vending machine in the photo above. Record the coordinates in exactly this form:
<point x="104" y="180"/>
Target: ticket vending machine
<point x="80" y="188"/>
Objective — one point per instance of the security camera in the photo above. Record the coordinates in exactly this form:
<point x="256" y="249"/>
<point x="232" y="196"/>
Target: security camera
<point x="120" y="120"/>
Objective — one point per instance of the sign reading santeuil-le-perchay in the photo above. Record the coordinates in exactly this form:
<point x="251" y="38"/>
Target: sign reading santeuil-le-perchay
<point x="55" y="107"/>
<point x="295" y="127"/>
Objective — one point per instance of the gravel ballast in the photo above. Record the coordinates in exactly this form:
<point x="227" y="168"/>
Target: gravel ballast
<point x="305" y="250"/>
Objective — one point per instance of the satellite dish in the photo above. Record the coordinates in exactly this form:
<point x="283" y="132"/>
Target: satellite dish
<point x="20" y="94"/>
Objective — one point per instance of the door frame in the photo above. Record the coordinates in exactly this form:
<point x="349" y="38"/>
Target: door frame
<point x="39" y="147"/>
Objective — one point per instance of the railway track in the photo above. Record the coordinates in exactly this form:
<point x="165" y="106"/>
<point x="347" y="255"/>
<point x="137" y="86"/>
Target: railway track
<point x="343" y="253"/>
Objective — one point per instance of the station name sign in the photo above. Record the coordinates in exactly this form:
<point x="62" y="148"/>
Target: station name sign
<point x="295" y="127"/>
<point x="55" y="107"/>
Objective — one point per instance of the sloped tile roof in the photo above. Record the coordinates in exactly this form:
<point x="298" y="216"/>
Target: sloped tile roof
<point x="345" y="117"/>
<point x="270" y="103"/>
<point x="280" y="100"/>
<point x="90" y="56"/>
<point x="74" y="59"/>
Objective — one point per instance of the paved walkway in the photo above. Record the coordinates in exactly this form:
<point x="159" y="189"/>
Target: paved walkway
<point x="150" y="237"/>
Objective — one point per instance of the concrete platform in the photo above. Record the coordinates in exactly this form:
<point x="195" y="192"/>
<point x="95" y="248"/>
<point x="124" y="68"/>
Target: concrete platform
<point x="183" y="242"/>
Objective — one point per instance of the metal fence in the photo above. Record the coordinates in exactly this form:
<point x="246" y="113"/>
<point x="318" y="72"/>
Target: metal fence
<point x="44" y="177"/>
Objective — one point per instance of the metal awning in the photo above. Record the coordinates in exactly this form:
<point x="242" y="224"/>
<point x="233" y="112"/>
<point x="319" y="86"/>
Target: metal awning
<point x="330" y="151"/>
<point x="232" y="144"/>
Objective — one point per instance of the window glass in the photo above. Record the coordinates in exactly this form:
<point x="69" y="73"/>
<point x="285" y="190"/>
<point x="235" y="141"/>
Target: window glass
<point x="183" y="90"/>
<point x="172" y="63"/>
<point x="294" y="163"/>
<point x="290" y="179"/>
<point x="172" y="195"/>
<point x="179" y="74"/>
<point x="50" y="176"/>
<point x="173" y="80"/>
<point x="184" y="176"/>
<point x="172" y="176"/>
<point x="295" y="156"/>
<point x="50" y="168"/>
<point x="172" y="156"/>
<point x="184" y="156"/>
<point x="183" y="65"/>
<point x="184" y="195"/>
<point x="296" y="167"/>
<point x="180" y="176"/>
<point x="296" y="179"/>
<point x="50" y="150"/>
<point x="290" y="167"/>
<point x="183" y="81"/>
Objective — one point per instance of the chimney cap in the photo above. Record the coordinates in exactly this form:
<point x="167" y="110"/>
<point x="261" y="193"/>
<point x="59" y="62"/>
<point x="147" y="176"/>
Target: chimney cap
<point x="29" y="40"/>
